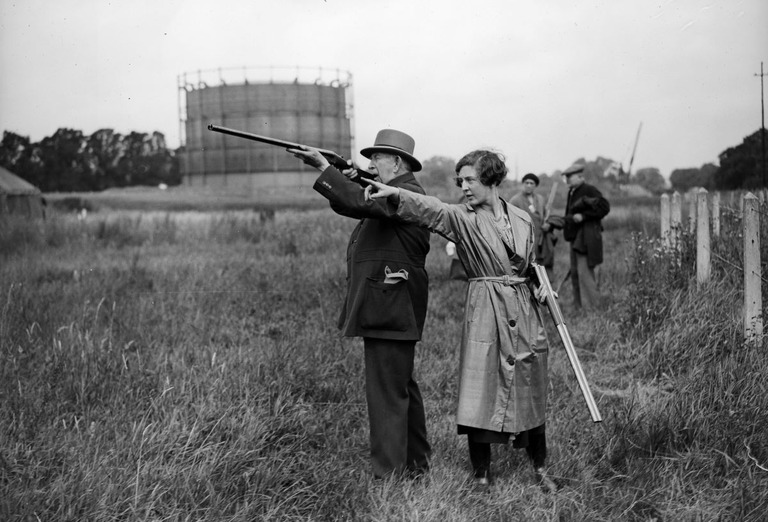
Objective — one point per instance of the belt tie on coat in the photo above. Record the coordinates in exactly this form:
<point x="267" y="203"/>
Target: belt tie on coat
<point x="506" y="280"/>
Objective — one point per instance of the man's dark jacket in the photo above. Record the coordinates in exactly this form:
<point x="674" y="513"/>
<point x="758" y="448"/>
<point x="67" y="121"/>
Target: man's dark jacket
<point x="586" y="237"/>
<point x="373" y="308"/>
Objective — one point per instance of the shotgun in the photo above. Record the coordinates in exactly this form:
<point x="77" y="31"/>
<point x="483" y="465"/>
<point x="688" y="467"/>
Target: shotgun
<point x="565" y="337"/>
<point x="548" y="211"/>
<point x="333" y="158"/>
<point x="550" y="201"/>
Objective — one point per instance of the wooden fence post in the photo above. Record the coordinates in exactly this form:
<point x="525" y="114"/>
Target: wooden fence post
<point x="716" y="214"/>
<point x="665" y="229"/>
<point x="753" y="301"/>
<point x="676" y="218"/>
<point x="703" y="267"/>
<point x="692" y="199"/>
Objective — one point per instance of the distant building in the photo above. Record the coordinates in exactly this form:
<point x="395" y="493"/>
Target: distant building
<point x="308" y="106"/>
<point x="18" y="197"/>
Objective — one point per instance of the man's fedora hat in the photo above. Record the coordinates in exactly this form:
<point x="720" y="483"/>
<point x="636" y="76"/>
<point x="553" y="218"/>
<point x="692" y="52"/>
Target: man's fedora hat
<point x="393" y="141"/>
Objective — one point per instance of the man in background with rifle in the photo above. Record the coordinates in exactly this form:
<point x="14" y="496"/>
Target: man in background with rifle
<point x="533" y="203"/>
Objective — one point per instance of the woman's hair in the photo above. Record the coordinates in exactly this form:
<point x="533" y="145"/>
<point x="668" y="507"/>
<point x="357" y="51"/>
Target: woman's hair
<point x="489" y="166"/>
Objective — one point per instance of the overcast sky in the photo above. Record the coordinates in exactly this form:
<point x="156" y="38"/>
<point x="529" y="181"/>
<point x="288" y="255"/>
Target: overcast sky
<point x="545" y="82"/>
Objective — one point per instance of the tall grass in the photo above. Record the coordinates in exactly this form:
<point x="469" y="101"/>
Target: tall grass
<point x="175" y="366"/>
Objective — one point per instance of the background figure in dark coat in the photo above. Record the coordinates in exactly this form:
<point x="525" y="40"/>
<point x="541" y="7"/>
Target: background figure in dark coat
<point x="584" y="210"/>
<point x="386" y="301"/>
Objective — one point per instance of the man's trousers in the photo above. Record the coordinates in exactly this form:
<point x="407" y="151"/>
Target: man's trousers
<point x="396" y="418"/>
<point x="585" y="291"/>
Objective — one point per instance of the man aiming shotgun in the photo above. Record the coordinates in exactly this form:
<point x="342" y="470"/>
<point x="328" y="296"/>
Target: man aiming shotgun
<point x="333" y="158"/>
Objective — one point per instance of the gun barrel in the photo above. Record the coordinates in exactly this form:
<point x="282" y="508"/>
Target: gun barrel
<point x="565" y="337"/>
<point x="263" y="139"/>
<point x="550" y="201"/>
<point x="358" y="176"/>
<point x="579" y="372"/>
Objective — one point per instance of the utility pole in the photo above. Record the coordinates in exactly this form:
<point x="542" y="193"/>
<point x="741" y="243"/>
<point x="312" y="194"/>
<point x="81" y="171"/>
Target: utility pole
<point x="634" y="149"/>
<point x="762" y="108"/>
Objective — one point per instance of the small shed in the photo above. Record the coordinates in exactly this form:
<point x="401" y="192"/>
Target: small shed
<point x="18" y="197"/>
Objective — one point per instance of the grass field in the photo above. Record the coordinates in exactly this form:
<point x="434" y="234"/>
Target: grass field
<point x="185" y="365"/>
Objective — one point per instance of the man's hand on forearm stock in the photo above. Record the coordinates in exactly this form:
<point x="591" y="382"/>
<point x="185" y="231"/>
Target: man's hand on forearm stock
<point x="311" y="157"/>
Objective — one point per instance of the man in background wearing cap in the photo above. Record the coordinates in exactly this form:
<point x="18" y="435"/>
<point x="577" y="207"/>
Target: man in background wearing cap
<point x="386" y="301"/>
<point x="584" y="210"/>
<point x="534" y="204"/>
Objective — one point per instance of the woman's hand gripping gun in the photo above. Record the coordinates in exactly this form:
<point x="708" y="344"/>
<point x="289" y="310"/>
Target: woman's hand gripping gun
<point x="557" y="316"/>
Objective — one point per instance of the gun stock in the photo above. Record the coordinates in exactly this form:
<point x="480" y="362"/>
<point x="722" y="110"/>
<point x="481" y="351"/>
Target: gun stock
<point x="565" y="337"/>
<point x="333" y="158"/>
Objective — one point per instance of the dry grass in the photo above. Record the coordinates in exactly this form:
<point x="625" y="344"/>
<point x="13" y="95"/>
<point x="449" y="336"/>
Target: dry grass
<point x="177" y="366"/>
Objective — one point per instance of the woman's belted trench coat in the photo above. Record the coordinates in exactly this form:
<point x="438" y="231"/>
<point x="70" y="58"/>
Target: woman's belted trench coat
<point x="503" y="367"/>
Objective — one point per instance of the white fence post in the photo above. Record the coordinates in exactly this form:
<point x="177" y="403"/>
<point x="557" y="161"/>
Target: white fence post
<point x="703" y="267"/>
<point x="665" y="239"/>
<point x="753" y="301"/>
<point x="716" y="214"/>
<point x="676" y="218"/>
<point x="692" y="199"/>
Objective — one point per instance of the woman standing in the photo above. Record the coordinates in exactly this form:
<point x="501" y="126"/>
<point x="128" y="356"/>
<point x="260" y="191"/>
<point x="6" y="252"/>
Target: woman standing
<point x="503" y="364"/>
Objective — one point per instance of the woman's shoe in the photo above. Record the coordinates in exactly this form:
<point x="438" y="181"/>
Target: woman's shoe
<point x="483" y="481"/>
<point x="547" y="484"/>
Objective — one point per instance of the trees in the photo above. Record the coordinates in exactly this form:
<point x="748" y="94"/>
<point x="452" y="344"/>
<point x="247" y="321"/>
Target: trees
<point x="650" y="179"/>
<point x="145" y="160"/>
<point x="741" y="166"/>
<point x="69" y="161"/>
<point x="63" y="162"/>
<point x="682" y="180"/>
<point x="437" y="176"/>
<point x="105" y="148"/>
<point x="18" y="155"/>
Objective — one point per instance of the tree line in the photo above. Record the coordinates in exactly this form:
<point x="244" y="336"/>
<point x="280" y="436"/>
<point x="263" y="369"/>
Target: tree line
<point x="70" y="161"/>
<point x="741" y="167"/>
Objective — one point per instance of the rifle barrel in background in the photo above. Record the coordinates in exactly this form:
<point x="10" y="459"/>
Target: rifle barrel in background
<point x="550" y="201"/>
<point x="565" y="337"/>
<point x="333" y="158"/>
